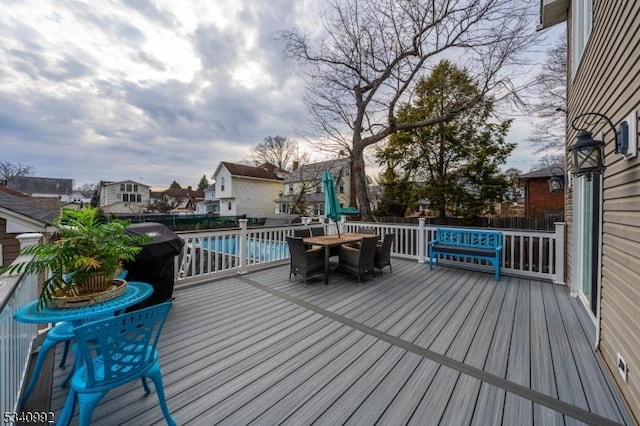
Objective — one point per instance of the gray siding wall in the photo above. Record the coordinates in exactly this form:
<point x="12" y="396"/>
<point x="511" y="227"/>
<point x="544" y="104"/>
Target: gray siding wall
<point x="608" y="81"/>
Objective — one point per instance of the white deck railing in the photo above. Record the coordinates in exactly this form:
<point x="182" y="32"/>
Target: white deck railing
<point x="218" y="253"/>
<point x="529" y="254"/>
<point x="211" y="254"/>
<point x="16" y="338"/>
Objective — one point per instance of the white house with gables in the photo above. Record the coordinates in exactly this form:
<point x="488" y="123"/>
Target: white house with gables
<point x="125" y="197"/>
<point x="247" y="190"/>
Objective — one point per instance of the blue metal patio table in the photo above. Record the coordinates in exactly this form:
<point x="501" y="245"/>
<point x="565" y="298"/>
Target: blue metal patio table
<point x="134" y="292"/>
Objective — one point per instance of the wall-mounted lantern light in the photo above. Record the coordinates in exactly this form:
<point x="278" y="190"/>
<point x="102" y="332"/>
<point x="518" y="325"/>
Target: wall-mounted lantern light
<point x="588" y="153"/>
<point x="556" y="181"/>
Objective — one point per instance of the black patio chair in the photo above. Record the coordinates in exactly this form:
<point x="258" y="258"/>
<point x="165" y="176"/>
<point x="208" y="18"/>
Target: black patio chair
<point x="303" y="233"/>
<point x="358" y="261"/>
<point x="383" y="253"/>
<point x="304" y="262"/>
<point x="370" y="231"/>
<point x="317" y="232"/>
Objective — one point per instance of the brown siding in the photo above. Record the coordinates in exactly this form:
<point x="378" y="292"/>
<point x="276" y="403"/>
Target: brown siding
<point x="608" y="81"/>
<point x="10" y="246"/>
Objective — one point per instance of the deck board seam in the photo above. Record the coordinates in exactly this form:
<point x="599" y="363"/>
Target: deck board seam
<point x="529" y="394"/>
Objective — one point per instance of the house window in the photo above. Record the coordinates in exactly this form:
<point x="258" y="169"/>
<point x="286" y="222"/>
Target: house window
<point x="290" y="188"/>
<point x="125" y="198"/>
<point x="318" y="189"/>
<point x="222" y="186"/>
<point x="581" y="24"/>
<point x="122" y="187"/>
<point x="229" y="205"/>
<point x="135" y="188"/>
<point x="129" y="187"/>
<point x="138" y="198"/>
<point x="119" y="196"/>
<point x="341" y="187"/>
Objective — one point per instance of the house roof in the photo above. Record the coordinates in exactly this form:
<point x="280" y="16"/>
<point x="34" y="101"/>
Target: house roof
<point x="25" y="207"/>
<point x="263" y="171"/>
<point x="184" y="193"/>
<point x="107" y="183"/>
<point x="313" y="171"/>
<point x="13" y="192"/>
<point x="41" y="185"/>
<point x="547" y="172"/>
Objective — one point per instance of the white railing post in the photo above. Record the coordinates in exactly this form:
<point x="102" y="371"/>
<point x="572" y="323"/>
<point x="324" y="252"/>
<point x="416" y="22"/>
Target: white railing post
<point x="422" y="240"/>
<point x="242" y="246"/>
<point x="16" y="338"/>
<point x="30" y="239"/>
<point x="341" y="224"/>
<point x="559" y="253"/>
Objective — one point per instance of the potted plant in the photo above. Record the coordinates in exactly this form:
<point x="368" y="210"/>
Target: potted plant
<point x="83" y="257"/>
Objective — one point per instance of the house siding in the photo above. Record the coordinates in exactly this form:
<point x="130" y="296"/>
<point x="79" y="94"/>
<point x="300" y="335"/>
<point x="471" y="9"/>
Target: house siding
<point x="255" y="198"/>
<point x="110" y="203"/>
<point x="608" y="81"/>
<point x="10" y="245"/>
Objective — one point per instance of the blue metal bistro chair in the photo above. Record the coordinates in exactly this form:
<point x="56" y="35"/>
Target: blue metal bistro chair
<point x="61" y="332"/>
<point x="115" y="351"/>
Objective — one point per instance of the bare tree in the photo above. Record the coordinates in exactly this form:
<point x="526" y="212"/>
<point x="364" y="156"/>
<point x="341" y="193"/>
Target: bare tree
<point x="548" y="161"/>
<point x="276" y="150"/>
<point x="549" y="97"/>
<point x="9" y="169"/>
<point x="364" y="65"/>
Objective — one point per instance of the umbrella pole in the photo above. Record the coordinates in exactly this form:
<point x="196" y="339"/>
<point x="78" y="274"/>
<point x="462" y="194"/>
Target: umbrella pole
<point x="337" y="227"/>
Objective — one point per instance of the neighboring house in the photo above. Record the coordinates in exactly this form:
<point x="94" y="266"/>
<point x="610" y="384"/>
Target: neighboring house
<point x="79" y="198"/>
<point x="539" y="200"/>
<point x="18" y="215"/>
<point x="210" y="204"/>
<point x="182" y="200"/>
<point x="602" y="211"/>
<point x="303" y="190"/>
<point x="247" y="190"/>
<point x="155" y="200"/>
<point x="125" y="197"/>
<point x="42" y="187"/>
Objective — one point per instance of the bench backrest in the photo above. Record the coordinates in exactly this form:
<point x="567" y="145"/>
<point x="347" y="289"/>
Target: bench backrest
<point x="469" y="237"/>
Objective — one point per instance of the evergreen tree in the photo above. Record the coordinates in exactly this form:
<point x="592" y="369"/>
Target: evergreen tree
<point x="174" y="185"/>
<point x="95" y="198"/>
<point x="454" y="163"/>
<point x="204" y="183"/>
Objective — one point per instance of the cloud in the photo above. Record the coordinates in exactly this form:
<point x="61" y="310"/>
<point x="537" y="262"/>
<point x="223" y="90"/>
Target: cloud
<point x="146" y="90"/>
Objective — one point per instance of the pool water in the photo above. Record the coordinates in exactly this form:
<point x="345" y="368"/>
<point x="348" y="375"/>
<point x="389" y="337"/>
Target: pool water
<point x="256" y="249"/>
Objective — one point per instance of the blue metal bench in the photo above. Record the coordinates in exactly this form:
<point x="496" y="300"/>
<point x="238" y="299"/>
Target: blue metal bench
<point x="467" y="243"/>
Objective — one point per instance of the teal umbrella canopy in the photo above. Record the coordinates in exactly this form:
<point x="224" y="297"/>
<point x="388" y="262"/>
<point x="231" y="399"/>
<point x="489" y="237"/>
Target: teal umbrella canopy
<point x="331" y="203"/>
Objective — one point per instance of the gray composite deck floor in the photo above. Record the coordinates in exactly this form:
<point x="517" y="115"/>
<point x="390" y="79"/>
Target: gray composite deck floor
<point x="413" y="346"/>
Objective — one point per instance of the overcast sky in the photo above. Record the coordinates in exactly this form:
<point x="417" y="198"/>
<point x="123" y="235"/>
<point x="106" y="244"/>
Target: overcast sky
<point x="152" y="91"/>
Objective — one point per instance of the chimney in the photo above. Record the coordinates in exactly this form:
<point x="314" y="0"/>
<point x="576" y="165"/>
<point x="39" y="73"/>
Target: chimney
<point x="295" y="165"/>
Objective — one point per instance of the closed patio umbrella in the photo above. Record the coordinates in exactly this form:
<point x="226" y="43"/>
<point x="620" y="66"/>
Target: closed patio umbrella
<point x="331" y="204"/>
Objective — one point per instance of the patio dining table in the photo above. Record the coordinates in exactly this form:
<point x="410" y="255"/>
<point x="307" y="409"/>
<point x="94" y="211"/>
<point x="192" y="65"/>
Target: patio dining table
<point x="328" y="241"/>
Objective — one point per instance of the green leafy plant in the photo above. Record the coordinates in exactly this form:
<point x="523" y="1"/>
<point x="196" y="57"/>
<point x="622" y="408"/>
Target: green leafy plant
<point x="85" y="244"/>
